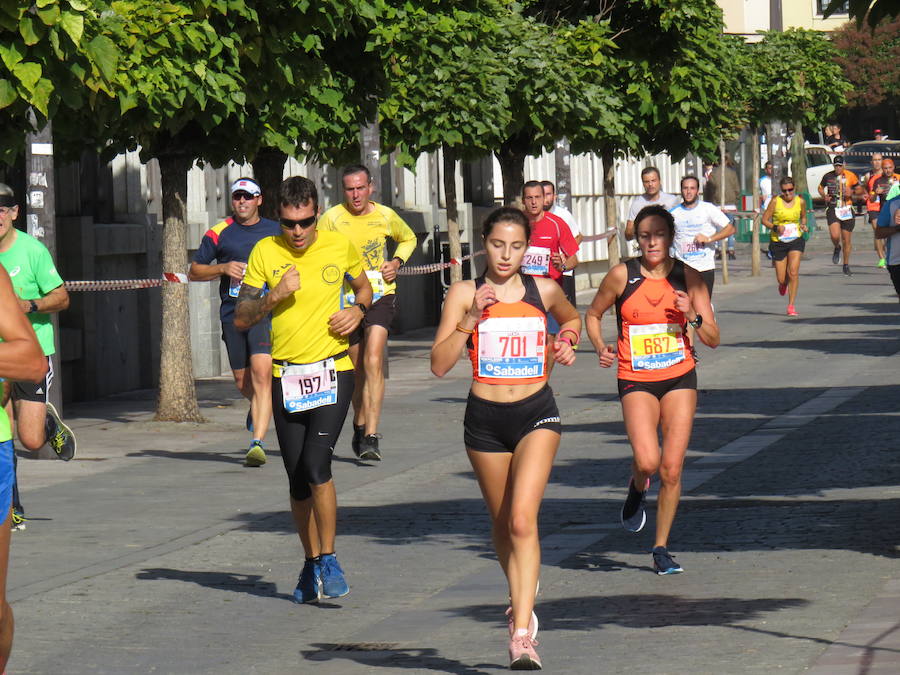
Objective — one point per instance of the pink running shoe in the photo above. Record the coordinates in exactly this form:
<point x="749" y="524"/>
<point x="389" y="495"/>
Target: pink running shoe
<point x="521" y="653"/>
<point x="532" y="624"/>
<point x="792" y="312"/>
<point x="782" y="289"/>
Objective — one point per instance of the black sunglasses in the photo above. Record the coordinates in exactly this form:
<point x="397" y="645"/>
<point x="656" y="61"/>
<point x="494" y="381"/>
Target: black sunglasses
<point x="787" y="189"/>
<point x="291" y="224"/>
<point x="241" y="195"/>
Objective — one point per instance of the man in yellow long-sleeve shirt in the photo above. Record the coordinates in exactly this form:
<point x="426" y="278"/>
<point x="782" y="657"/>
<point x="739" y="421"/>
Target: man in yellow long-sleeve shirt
<point x="368" y="225"/>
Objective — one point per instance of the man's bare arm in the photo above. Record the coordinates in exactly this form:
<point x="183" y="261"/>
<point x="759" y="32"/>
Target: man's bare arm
<point x="252" y="307"/>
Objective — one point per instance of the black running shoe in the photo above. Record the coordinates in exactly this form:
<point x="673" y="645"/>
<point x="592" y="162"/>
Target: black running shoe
<point x="836" y="256"/>
<point x="356" y="442"/>
<point x="664" y="563"/>
<point x="634" y="515"/>
<point x="847" y="271"/>
<point x="59" y="436"/>
<point x="369" y="447"/>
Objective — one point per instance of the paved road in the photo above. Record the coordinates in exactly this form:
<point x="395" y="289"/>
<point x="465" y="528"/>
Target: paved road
<point x="156" y="551"/>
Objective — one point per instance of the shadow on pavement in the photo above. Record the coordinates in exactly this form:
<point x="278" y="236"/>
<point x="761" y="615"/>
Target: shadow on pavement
<point x="251" y="584"/>
<point x="652" y="610"/>
<point x="379" y="655"/>
<point x="236" y="457"/>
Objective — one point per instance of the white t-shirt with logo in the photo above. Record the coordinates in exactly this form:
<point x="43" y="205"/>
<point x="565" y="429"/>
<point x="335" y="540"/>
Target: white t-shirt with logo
<point x="567" y="216"/>
<point x="704" y="218"/>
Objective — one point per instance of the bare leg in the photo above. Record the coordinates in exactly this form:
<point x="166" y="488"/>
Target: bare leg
<point x="359" y="375"/>
<point x="781" y="271"/>
<point x="305" y="522"/>
<point x="641" y="411"/>
<point x="260" y="382"/>
<point x="847" y="239"/>
<point x="325" y="512"/>
<point x="677" y="417"/>
<point x="793" y="274"/>
<point x="243" y="383"/>
<point x="834" y="231"/>
<point x="30" y="417"/>
<point x="493" y="474"/>
<point x="879" y="244"/>
<point x="373" y="395"/>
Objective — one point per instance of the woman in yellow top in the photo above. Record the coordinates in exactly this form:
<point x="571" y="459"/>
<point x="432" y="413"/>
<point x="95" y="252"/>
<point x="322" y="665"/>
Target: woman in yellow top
<point x="786" y="218"/>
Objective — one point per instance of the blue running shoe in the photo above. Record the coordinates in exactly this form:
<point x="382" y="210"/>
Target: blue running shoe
<point x="634" y="515"/>
<point x="333" y="583"/>
<point x="309" y="583"/>
<point x="664" y="563"/>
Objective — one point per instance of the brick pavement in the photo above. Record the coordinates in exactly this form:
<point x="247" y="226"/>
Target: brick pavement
<point x="156" y="551"/>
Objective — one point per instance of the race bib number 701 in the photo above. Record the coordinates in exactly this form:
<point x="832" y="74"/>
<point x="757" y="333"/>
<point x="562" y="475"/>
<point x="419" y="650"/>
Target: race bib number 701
<point x="512" y="347"/>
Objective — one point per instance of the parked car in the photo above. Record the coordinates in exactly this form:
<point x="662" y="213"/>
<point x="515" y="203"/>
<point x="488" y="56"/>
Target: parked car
<point x="858" y="157"/>
<point x="818" y="163"/>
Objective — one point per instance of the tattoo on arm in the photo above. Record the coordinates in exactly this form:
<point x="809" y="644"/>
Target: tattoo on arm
<point x="251" y="305"/>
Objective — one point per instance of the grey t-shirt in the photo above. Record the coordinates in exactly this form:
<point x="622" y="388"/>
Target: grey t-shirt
<point x="662" y="199"/>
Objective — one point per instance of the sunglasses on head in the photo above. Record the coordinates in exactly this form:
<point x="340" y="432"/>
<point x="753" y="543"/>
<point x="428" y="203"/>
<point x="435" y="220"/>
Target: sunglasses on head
<point x="240" y="195"/>
<point x="304" y="223"/>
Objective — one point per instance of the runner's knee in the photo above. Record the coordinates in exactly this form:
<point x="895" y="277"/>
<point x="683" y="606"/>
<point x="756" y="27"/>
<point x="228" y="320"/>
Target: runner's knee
<point x="316" y="463"/>
<point x="522" y="525"/>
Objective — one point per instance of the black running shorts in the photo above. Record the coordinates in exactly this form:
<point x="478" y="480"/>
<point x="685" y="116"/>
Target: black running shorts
<point x="498" y="427"/>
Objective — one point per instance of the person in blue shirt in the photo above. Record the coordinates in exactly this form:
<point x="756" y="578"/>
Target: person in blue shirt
<point x="889" y="228"/>
<point x="229" y="243"/>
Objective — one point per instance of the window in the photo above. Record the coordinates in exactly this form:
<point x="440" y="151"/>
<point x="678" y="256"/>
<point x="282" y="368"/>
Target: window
<point x="843" y="8"/>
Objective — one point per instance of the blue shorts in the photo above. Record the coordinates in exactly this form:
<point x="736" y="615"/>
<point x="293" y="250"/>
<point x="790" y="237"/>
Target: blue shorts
<point x="7" y="476"/>
<point x="241" y="345"/>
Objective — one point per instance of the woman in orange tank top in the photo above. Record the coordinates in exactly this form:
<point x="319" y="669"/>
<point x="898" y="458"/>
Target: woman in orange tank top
<point x="656" y="297"/>
<point x="501" y="318"/>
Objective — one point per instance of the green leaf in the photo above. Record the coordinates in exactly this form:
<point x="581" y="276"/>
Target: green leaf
<point x="49" y="15"/>
<point x="79" y="5"/>
<point x="28" y="74"/>
<point x="104" y="55"/>
<point x="30" y="31"/>
<point x="73" y="24"/>
<point x="8" y="94"/>
<point x="10" y="54"/>
<point x="40" y="99"/>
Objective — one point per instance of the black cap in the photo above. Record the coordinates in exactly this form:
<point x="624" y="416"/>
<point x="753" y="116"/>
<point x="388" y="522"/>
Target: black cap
<point x="838" y="160"/>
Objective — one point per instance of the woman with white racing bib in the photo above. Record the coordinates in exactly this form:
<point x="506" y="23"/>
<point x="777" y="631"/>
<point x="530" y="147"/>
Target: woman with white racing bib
<point x="512" y="424"/>
<point x="656" y="297"/>
<point x="786" y="218"/>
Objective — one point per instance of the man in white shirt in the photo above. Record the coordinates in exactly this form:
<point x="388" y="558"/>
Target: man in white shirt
<point x="652" y="195"/>
<point x="698" y="224"/>
<point x="568" y="278"/>
<point x="765" y="186"/>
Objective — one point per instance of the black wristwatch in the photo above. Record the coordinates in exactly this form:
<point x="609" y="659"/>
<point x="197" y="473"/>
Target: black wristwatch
<point x="33" y="307"/>
<point x="362" y="307"/>
<point x="696" y="323"/>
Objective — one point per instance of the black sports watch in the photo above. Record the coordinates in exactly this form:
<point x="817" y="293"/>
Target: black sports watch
<point x="696" y="323"/>
<point x="33" y="308"/>
<point x="362" y="307"/>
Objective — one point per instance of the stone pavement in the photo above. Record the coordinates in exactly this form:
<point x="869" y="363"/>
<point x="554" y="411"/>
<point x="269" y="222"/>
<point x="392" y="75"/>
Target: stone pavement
<point x="156" y="551"/>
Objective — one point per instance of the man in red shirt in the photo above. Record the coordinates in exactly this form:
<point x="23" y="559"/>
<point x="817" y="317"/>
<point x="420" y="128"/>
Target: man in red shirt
<point x="552" y="249"/>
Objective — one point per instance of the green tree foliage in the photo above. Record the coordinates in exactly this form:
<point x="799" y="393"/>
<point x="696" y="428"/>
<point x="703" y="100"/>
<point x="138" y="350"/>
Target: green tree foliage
<point x="870" y="59"/>
<point x="54" y="54"/>
<point x="795" y="76"/>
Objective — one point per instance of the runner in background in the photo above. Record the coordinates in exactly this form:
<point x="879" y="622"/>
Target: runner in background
<point x="836" y="188"/>
<point x="786" y="218"/>
<point x="652" y="195"/>
<point x="878" y="184"/>
<point x="551" y="205"/>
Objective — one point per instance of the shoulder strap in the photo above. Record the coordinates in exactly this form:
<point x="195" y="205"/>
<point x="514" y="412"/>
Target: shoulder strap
<point x="532" y="294"/>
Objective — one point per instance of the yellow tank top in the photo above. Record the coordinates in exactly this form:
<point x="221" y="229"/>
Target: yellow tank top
<point x="787" y="216"/>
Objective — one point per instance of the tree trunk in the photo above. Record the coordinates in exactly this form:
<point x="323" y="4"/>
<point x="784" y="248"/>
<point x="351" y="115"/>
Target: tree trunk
<point x="449" y="171"/>
<point x="609" y="202"/>
<point x="511" y="155"/>
<point x="723" y="246"/>
<point x="177" y="400"/>
<point x="370" y="156"/>
<point x="563" y="159"/>
<point x="798" y="159"/>
<point x="757" y="219"/>
<point x="268" y="169"/>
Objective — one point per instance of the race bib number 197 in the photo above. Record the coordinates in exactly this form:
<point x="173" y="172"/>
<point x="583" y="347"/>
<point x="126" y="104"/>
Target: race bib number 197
<point x="656" y="346"/>
<point x="512" y="347"/>
<point x="308" y="386"/>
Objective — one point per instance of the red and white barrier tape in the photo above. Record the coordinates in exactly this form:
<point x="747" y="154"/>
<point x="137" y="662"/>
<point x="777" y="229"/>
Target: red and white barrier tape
<point x="430" y="268"/>
<point x="125" y="284"/>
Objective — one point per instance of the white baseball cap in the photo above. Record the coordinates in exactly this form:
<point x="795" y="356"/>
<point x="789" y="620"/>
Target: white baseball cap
<point x="247" y="185"/>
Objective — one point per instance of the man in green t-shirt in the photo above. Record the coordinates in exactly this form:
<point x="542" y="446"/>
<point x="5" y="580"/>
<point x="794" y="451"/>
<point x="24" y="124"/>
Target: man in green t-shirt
<point x="40" y="291"/>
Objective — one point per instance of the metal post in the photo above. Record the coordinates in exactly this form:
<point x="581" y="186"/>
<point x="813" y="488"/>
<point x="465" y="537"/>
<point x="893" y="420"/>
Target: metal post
<point x="724" y="245"/>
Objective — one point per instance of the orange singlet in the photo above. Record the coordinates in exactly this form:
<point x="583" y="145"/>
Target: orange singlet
<point x="509" y="345"/>
<point x="653" y="343"/>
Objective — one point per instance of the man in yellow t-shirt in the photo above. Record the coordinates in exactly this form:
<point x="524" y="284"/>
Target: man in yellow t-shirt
<point x="312" y="375"/>
<point x="369" y="225"/>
